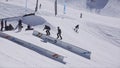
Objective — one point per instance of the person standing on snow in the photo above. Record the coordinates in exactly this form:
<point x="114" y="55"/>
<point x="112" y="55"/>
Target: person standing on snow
<point x="59" y="33"/>
<point x="6" y="27"/>
<point x="76" y="28"/>
<point x="2" y="25"/>
<point x="47" y="28"/>
<point x="20" y="25"/>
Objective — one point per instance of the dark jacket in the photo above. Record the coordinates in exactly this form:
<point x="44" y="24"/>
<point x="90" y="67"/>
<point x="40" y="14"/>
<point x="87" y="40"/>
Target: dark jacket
<point x="77" y="26"/>
<point x="47" y="27"/>
<point x="59" y="31"/>
<point x="20" y="23"/>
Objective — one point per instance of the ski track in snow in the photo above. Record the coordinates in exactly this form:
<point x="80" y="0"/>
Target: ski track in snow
<point x="109" y="34"/>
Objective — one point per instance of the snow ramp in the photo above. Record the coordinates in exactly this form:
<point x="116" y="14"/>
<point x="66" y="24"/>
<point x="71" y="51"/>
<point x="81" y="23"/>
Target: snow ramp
<point x="67" y="46"/>
<point x="35" y="48"/>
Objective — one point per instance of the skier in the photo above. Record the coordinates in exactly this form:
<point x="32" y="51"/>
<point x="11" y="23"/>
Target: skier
<point x="2" y="25"/>
<point x="47" y="28"/>
<point x="76" y="28"/>
<point x="59" y="33"/>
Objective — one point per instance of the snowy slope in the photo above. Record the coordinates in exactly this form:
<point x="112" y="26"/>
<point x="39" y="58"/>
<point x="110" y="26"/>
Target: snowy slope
<point x="93" y="36"/>
<point x="101" y="7"/>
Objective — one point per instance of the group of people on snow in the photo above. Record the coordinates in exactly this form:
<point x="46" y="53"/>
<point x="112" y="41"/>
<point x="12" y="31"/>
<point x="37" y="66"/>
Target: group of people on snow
<point x="47" y="28"/>
<point x="5" y="27"/>
<point x="76" y="28"/>
<point x="20" y="26"/>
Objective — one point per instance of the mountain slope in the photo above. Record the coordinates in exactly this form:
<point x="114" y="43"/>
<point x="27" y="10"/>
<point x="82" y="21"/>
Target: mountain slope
<point x="104" y="53"/>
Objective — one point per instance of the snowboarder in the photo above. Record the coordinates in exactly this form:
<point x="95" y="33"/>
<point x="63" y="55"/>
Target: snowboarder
<point x="55" y="55"/>
<point x="40" y="6"/>
<point x="47" y="28"/>
<point x="76" y="28"/>
<point x="20" y="25"/>
<point x="29" y="27"/>
<point x="2" y="25"/>
<point x="10" y="27"/>
<point x="59" y="33"/>
<point x="80" y="15"/>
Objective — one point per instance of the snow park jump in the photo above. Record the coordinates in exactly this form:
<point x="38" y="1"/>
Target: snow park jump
<point x="67" y="46"/>
<point x="35" y="48"/>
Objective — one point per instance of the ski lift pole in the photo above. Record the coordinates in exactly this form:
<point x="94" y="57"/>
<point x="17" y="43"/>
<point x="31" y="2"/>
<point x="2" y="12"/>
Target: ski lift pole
<point x="55" y="7"/>
<point x="26" y="6"/>
<point x="64" y="7"/>
<point x="36" y="8"/>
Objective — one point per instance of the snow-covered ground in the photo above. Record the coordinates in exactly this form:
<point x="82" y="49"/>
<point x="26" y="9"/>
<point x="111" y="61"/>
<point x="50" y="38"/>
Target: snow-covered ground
<point x="101" y="7"/>
<point x="98" y="34"/>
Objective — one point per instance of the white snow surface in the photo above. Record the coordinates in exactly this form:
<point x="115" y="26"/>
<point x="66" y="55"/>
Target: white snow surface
<point x="98" y="34"/>
<point x="101" y="7"/>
